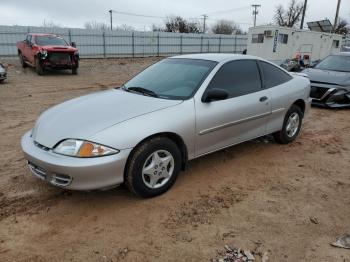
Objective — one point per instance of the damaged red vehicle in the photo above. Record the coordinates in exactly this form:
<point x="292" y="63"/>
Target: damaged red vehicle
<point x="44" y="51"/>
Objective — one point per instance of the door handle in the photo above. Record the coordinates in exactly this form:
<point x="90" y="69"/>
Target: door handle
<point x="263" y="99"/>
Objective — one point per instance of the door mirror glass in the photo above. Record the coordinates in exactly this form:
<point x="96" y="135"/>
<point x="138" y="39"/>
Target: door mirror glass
<point x="214" y="94"/>
<point x="73" y="44"/>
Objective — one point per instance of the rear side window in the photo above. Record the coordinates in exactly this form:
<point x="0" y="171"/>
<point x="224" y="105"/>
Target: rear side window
<point x="238" y="78"/>
<point x="272" y="75"/>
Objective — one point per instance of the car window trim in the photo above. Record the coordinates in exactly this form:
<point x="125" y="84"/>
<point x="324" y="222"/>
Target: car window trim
<point x="260" y="77"/>
<point x="263" y="76"/>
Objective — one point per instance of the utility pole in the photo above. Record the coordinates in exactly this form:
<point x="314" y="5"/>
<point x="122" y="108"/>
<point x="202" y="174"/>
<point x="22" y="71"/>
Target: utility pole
<point x="255" y="12"/>
<point x="303" y="16"/>
<point x="111" y="18"/>
<point x="204" y="25"/>
<point x="336" y="16"/>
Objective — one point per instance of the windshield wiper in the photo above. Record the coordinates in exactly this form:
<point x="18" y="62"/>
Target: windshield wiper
<point x="141" y="90"/>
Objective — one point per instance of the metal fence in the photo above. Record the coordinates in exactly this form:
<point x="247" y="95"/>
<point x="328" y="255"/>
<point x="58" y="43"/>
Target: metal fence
<point x="108" y="43"/>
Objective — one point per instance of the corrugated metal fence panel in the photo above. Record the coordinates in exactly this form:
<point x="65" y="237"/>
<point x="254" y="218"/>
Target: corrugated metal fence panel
<point x="96" y="43"/>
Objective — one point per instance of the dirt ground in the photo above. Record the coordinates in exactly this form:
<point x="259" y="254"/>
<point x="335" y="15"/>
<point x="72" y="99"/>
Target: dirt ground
<point x="258" y="195"/>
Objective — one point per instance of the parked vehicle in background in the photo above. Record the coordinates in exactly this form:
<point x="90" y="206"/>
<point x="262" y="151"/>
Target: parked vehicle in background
<point x="3" y="73"/>
<point x="330" y="81"/>
<point x="44" y="51"/>
<point x="276" y="43"/>
<point x="178" y="109"/>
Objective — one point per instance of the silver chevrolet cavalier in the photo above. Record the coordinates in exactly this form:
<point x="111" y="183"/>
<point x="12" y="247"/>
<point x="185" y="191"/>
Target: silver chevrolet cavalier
<point x="143" y="133"/>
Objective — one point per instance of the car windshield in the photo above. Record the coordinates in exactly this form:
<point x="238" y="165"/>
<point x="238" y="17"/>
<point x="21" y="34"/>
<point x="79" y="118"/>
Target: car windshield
<point x="335" y="63"/>
<point x="172" y="78"/>
<point x="50" y="40"/>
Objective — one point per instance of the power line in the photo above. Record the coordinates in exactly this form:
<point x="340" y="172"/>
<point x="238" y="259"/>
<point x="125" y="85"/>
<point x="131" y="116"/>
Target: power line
<point x="336" y="16"/>
<point x="204" y="20"/>
<point x="139" y="15"/>
<point x="111" y="18"/>
<point x="255" y="12"/>
<point x="229" y="11"/>
<point x="303" y="16"/>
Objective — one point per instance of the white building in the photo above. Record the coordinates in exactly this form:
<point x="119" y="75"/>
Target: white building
<point x="276" y="43"/>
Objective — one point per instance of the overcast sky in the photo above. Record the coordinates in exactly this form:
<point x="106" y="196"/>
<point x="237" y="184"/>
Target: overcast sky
<point x="74" y="13"/>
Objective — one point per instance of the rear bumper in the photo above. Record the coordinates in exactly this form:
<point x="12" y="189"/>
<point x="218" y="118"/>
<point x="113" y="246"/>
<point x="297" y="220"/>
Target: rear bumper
<point x="74" y="173"/>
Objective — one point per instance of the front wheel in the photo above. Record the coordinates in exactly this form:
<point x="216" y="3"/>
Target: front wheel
<point x="21" y="59"/>
<point x="39" y="69"/>
<point x="153" y="167"/>
<point x="74" y="71"/>
<point x="291" y="126"/>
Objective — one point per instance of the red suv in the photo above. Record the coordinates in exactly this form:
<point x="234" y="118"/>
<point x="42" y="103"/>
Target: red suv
<point x="44" y="51"/>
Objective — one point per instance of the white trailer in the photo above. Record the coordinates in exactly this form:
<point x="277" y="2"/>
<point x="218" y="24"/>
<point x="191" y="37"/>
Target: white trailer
<point x="277" y="44"/>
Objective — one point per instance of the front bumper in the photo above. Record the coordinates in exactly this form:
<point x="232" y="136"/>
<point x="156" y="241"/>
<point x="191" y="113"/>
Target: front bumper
<point x="330" y="96"/>
<point x="3" y="76"/>
<point x="71" y="172"/>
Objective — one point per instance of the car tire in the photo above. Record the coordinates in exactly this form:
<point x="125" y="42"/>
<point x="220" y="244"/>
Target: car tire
<point x="291" y="126"/>
<point x="74" y="71"/>
<point x="38" y="68"/>
<point x="149" y="176"/>
<point x="21" y="59"/>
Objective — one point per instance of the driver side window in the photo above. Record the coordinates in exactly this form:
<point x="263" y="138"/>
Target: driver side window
<point x="238" y="78"/>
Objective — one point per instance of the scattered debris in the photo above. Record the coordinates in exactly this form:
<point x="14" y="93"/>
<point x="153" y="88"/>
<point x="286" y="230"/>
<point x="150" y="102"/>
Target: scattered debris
<point x="264" y="258"/>
<point x="314" y="220"/>
<point x="233" y="254"/>
<point x="342" y="241"/>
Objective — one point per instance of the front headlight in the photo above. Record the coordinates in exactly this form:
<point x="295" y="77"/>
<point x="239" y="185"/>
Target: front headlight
<point x="82" y="148"/>
<point x="43" y="54"/>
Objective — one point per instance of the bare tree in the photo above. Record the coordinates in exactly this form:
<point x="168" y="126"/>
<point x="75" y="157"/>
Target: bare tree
<point x="125" y="27"/>
<point x="94" y="25"/>
<point x="157" y="28"/>
<point x="50" y="24"/>
<point x="226" y="27"/>
<point x="289" y="17"/>
<point x="343" y="27"/>
<point x="178" y="24"/>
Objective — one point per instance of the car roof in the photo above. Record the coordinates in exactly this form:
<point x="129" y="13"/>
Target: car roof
<point x="217" y="57"/>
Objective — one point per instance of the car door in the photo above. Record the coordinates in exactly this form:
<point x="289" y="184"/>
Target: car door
<point x="31" y="50"/>
<point x="26" y="47"/>
<point x="278" y="84"/>
<point x="240" y="117"/>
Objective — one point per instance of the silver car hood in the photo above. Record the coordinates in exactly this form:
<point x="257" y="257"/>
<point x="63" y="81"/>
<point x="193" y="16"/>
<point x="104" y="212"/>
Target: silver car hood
<point x="85" y="116"/>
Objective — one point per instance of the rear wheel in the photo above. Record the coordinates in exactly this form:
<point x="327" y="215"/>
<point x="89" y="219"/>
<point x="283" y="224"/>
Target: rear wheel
<point x="153" y="167"/>
<point x="39" y="69"/>
<point x="21" y="59"/>
<point x="74" y="71"/>
<point x="291" y="126"/>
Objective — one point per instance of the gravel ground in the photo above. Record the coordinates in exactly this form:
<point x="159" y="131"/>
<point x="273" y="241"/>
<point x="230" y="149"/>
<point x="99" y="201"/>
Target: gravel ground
<point x="290" y="201"/>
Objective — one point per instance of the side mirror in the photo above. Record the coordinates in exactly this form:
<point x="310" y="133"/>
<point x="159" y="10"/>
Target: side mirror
<point x="73" y="44"/>
<point x="214" y="94"/>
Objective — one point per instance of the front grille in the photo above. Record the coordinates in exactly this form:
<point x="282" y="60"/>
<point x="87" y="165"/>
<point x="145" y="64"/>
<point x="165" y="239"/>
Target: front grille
<point x="60" y="58"/>
<point x="41" y="146"/>
<point x="39" y="172"/>
<point x="318" y="92"/>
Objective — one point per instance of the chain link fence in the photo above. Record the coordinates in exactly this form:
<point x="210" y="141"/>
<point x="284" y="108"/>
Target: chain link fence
<point x="108" y="43"/>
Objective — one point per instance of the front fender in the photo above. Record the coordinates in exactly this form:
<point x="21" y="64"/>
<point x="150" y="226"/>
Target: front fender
<point x="178" y="119"/>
